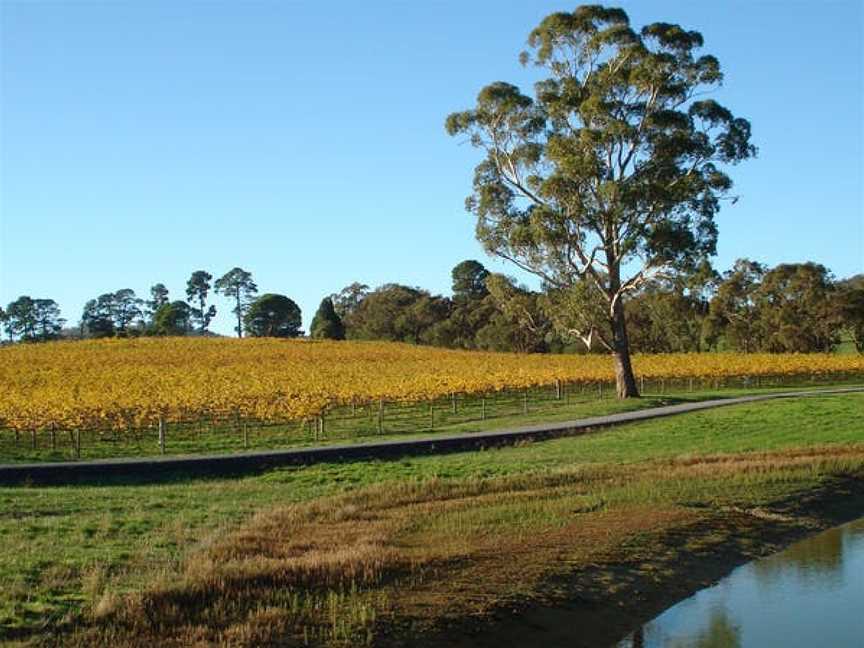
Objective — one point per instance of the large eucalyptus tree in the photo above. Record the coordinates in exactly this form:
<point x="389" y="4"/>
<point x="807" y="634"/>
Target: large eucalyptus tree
<point x="612" y="173"/>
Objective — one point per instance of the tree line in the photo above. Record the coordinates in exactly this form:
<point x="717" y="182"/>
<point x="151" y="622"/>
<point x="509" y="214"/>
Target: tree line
<point x="797" y="307"/>
<point x="123" y="314"/>
<point x="750" y="308"/>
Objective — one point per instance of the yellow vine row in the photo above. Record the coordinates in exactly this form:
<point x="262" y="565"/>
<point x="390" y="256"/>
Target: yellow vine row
<point x="123" y="384"/>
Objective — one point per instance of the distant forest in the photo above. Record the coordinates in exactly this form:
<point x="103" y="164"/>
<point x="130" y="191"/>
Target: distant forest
<point x="749" y="308"/>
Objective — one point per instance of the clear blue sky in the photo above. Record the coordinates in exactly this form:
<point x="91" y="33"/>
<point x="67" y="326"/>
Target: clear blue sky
<point x="140" y="141"/>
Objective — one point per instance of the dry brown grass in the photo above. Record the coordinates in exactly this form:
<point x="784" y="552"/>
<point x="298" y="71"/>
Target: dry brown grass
<point x="337" y="570"/>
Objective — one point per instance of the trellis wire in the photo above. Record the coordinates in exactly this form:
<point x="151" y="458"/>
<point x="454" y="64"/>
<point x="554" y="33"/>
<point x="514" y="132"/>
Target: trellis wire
<point x="382" y="417"/>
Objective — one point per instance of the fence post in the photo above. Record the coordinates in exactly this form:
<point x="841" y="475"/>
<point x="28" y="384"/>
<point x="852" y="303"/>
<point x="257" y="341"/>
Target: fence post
<point x="161" y="435"/>
<point x="77" y="444"/>
<point x="453" y="400"/>
<point x="432" y="415"/>
<point x="557" y="390"/>
<point x="483" y="407"/>
<point x="380" y="415"/>
<point x="525" y="402"/>
<point x="245" y="434"/>
<point x="53" y="436"/>
<point x="33" y="438"/>
<point x="642" y="385"/>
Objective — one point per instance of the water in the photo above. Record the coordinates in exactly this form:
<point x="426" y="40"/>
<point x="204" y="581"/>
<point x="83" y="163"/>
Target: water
<point x="811" y="594"/>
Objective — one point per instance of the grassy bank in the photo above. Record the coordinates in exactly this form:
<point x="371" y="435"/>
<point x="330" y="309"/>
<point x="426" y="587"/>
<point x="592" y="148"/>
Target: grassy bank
<point x="384" y="551"/>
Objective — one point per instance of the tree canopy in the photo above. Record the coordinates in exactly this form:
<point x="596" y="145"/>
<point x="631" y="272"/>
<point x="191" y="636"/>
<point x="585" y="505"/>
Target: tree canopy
<point x="797" y="309"/>
<point x="173" y="318"/>
<point x="396" y="312"/>
<point x="327" y="325"/>
<point x="237" y="285"/>
<point x="197" y="289"/>
<point x="615" y="164"/>
<point x="32" y="320"/>
<point x="112" y="314"/>
<point x="850" y="309"/>
<point x="469" y="280"/>
<point x="273" y="315"/>
<point x="158" y="298"/>
<point x="348" y="299"/>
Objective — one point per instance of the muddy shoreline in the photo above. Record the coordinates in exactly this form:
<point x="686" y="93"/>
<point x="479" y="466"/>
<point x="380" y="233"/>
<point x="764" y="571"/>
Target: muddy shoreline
<point x="603" y="603"/>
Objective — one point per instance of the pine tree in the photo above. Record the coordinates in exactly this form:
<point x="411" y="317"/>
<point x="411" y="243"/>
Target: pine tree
<point x="326" y="325"/>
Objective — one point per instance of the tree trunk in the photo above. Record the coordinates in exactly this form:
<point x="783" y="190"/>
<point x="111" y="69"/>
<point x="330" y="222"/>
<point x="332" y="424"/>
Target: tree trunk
<point x="625" y="381"/>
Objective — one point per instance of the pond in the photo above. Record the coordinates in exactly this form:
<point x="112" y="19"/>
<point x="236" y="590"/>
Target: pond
<point x="811" y="594"/>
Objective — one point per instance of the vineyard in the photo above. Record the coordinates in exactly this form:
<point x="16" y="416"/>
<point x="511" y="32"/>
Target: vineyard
<point x="126" y="386"/>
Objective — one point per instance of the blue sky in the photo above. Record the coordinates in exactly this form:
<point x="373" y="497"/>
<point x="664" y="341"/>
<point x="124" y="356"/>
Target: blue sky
<point x="304" y="142"/>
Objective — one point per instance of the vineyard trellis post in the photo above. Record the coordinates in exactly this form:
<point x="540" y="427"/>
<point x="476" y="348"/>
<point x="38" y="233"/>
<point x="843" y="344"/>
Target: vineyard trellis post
<point x="161" y="435"/>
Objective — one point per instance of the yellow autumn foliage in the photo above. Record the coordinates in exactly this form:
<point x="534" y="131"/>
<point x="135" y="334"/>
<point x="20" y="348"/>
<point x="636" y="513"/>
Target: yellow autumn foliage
<point x="130" y="383"/>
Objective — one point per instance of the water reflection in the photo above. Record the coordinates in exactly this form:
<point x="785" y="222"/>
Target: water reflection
<point x="817" y="560"/>
<point x="720" y="633"/>
<point x="811" y="594"/>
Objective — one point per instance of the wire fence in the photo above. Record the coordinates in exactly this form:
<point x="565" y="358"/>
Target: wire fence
<point x="366" y="420"/>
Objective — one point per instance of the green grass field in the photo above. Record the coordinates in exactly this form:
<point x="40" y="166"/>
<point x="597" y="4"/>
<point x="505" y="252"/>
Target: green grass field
<point x="81" y="557"/>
